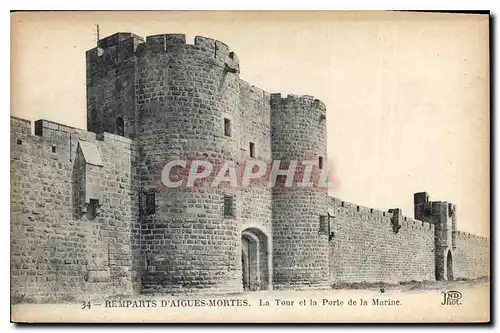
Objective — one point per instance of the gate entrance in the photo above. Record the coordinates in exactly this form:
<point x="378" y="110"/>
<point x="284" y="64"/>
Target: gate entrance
<point x="254" y="260"/>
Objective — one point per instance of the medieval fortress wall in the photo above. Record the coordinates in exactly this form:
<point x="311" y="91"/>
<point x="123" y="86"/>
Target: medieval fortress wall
<point x="365" y="246"/>
<point x="472" y="255"/>
<point x="90" y="213"/>
<point x="61" y="243"/>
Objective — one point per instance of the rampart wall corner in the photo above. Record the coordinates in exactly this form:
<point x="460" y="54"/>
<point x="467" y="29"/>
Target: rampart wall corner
<point x="48" y="192"/>
<point x="20" y="125"/>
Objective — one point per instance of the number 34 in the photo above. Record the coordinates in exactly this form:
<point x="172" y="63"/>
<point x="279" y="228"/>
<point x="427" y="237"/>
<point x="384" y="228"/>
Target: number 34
<point x="86" y="305"/>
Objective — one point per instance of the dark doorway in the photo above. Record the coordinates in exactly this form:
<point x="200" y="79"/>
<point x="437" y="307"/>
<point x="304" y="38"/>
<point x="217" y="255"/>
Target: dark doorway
<point x="449" y="266"/>
<point x="120" y="126"/>
<point x="245" y="268"/>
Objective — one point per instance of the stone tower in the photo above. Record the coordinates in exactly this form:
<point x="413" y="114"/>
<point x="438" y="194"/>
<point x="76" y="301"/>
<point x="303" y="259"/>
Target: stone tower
<point x="111" y="85"/>
<point x="299" y="213"/>
<point x="186" y="102"/>
<point x="172" y="98"/>
<point x="443" y="215"/>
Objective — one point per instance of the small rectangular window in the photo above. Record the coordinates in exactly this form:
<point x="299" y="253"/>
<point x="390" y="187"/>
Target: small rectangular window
<point x="228" y="206"/>
<point x="227" y="127"/>
<point x="19" y="141"/>
<point x="321" y="162"/>
<point x="149" y="264"/>
<point x="252" y="149"/>
<point x="323" y="224"/>
<point x="148" y="203"/>
<point x="92" y="209"/>
<point x="148" y="261"/>
<point x="53" y="149"/>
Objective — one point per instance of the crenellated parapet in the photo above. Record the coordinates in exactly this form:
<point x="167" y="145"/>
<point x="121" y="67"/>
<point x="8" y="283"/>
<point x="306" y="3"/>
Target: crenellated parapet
<point x="112" y="51"/>
<point x="125" y="69"/>
<point x="392" y="218"/>
<point x="212" y="49"/>
<point x="122" y="46"/>
<point x="307" y="102"/>
<point x="471" y="236"/>
<point x="373" y="245"/>
<point x="298" y="128"/>
<point x="60" y="144"/>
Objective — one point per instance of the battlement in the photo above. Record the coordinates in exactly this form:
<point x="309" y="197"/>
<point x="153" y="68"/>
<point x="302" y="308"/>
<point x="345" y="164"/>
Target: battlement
<point x="19" y="125"/>
<point x="305" y="100"/>
<point x="410" y="223"/>
<point x="165" y="40"/>
<point x="122" y="45"/>
<point x="339" y="207"/>
<point x="464" y="234"/>
<point x="58" y="136"/>
<point x="175" y="39"/>
<point x="49" y="128"/>
<point x="117" y="38"/>
<point x="425" y="209"/>
<point x="354" y="208"/>
<point x="115" y="48"/>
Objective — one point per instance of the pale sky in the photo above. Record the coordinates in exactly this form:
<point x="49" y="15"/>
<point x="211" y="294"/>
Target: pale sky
<point x="407" y="95"/>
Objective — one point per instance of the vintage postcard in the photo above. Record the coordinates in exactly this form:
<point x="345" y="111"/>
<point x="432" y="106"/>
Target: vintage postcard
<point x="278" y="167"/>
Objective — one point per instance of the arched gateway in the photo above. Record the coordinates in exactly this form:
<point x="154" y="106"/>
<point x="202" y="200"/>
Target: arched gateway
<point x="255" y="260"/>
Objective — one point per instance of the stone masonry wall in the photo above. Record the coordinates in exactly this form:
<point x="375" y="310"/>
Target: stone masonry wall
<point x="255" y="127"/>
<point x="111" y="80"/>
<point x="365" y="248"/>
<point x="56" y="251"/>
<point x="472" y="256"/>
<point x="254" y="203"/>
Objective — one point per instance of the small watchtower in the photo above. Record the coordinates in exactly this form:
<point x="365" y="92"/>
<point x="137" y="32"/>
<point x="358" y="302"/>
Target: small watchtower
<point x="443" y="215"/>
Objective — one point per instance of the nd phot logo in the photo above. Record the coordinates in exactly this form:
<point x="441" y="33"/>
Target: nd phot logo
<point x="451" y="297"/>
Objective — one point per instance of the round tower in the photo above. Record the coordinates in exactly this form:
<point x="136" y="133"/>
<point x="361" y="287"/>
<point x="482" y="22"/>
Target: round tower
<point x="300" y="220"/>
<point x="187" y="103"/>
